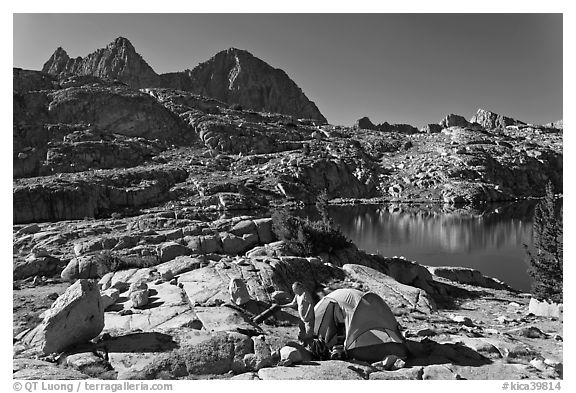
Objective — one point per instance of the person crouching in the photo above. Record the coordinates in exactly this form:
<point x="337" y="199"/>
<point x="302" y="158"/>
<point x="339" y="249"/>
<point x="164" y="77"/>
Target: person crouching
<point x="303" y="300"/>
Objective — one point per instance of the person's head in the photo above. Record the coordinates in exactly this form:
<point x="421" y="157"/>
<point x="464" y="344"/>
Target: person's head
<point x="298" y="288"/>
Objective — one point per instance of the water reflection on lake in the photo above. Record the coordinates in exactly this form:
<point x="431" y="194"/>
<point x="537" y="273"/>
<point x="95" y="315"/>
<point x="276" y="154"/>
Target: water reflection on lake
<point x="491" y="241"/>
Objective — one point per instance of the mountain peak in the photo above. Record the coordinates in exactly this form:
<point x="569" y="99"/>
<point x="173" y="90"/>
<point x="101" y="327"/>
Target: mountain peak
<point x="122" y="42"/>
<point x="60" y="51"/>
<point x="234" y="76"/>
<point x="57" y="62"/>
<point x="118" y="60"/>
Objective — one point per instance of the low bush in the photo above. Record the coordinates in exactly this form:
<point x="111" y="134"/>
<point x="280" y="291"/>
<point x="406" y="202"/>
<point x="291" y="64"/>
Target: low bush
<point x="307" y="236"/>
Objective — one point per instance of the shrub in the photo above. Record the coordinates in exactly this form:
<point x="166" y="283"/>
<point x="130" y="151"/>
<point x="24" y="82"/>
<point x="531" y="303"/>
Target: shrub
<point x="322" y="207"/>
<point x="546" y="259"/>
<point x="307" y="236"/>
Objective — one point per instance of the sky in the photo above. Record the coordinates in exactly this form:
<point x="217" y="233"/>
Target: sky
<point x="399" y="68"/>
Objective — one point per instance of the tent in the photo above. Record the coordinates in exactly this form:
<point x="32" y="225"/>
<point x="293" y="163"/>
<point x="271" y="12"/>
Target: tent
<point x="371" y="330"/>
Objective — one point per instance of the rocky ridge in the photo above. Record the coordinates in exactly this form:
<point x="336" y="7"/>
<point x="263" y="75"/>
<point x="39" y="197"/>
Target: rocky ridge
<point x="233" y="76"/>
<point x="91" y="147"/>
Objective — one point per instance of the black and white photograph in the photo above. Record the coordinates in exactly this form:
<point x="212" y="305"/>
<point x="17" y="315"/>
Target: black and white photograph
<point x="287" y="196"/>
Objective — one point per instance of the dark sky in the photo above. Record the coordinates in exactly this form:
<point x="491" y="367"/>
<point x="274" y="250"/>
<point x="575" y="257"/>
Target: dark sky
<point x="400" y="68"/>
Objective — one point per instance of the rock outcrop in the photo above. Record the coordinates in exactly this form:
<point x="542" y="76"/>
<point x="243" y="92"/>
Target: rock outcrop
<point x="559" y="125"/>
<point x="467" y="276"/>
<point x="431" y="128"/>
<point x="453" y="121"/>
<point x="365" y="123"/>
<point x="491" y="120"/>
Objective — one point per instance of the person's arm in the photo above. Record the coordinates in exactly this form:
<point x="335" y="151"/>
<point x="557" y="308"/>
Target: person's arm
<point x="291" y="304"/>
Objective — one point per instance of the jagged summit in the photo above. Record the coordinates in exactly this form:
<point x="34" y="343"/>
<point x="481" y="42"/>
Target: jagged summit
<point x="57" y="62"/>
<point x="492" y="120"/>
<point x="234" y="76"/>
<point x="121" y="41"/>
<point x="119" y="60"/>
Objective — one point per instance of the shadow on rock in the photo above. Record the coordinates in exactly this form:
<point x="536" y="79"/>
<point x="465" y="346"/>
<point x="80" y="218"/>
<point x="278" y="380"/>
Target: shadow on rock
<point x="449" y="294"/>
<point x="254" y="308"/>
<point x="153" y="302"/>
<point x="428" y="352"/>
<point x="122" y="299"/>
<point x="140" y="342"/>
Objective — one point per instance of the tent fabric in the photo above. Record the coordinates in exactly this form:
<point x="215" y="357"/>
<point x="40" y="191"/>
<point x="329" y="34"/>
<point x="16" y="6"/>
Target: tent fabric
<point x="367" y="319"/>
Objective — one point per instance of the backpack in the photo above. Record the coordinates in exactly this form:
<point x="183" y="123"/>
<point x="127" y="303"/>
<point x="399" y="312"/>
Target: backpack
<point x="319" y="349"/>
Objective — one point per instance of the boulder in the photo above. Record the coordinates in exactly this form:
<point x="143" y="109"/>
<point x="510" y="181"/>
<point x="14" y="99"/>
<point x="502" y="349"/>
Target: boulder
<point x="244" y="227"/>
<point x="290" y="353"/>
<point x="264" y="230"/>
<point x="109" y="296"/>
<point x="106" y="281"/>
<point x="84" y="361"/>
<point x="180" y="264"/>
<point x="396" y="294"/>
<point x="463" y="320"/>
<point x="250" y="240"/>
<point x="174" y="234"/>
<point x="295" y="352"/>
<point x="35" y="265"/>
<point x="167" y="275"/>
<point x="210" y="244"/>
<point x="262" y="356"/>
<point x="138" y="285"/>
<point x="390" y="363"/>
<point x="238" y="292"/>
<point x="74" y="318"/>
<point x="87" y="246"/>
<point x="89" y="266"/>
<point x="232" y="244"/>
<point x="171" y="250"/>
<point x="139" y="298"/>
<point x="215" y="354"/>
